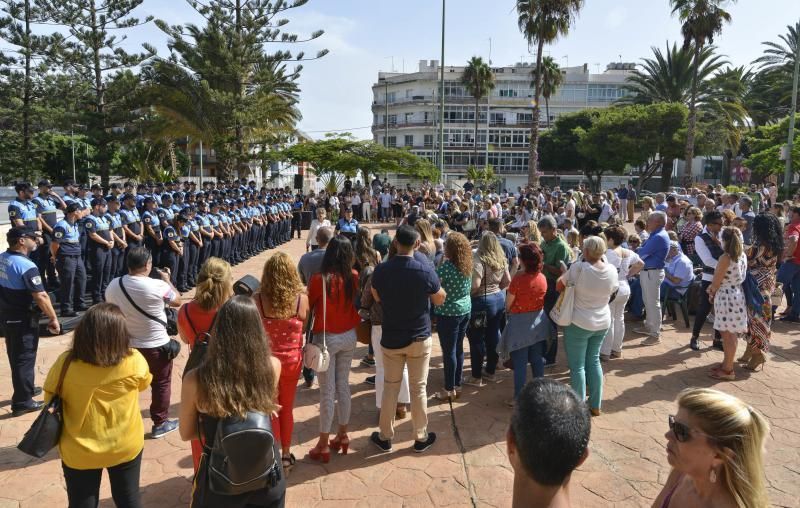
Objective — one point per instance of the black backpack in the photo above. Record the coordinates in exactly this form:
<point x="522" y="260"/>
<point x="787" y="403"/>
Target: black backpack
<point x="242" y="457"/>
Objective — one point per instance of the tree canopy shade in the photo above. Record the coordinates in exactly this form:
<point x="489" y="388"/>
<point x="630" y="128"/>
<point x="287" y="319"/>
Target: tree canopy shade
<point x="542" y="22"/>
<point x="341" y="154"/>
<point x="610" y="140"/>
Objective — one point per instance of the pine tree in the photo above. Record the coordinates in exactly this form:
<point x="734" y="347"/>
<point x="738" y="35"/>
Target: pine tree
<point x="93" y="51"/>
<point x="223" y="82"/>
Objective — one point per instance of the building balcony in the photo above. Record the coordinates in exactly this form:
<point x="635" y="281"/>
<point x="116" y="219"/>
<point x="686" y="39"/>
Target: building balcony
<point x="402" y="124"/>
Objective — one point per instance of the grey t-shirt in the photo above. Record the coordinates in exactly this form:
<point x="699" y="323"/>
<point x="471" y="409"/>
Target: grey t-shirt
<point x="310" y="263"/>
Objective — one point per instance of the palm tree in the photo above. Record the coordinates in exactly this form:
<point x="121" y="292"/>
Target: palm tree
<point x="542" y="22"/>
<point x="552" y="78"/>
<point x="702" y="21"/>
<point x="773" y="83"/>
<point x="778" y="56"/>
<point x="478" y="79"/>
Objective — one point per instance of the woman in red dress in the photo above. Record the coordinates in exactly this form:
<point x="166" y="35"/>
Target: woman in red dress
<point x="195" y="318"/>
<point x="284" y="308"/>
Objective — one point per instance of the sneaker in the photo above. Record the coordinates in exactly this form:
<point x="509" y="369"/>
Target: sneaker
<point x="421" y="446"/>
<point x="165" y="428"/>
<point x="641" y="331"/>
<point x="367" y="362"/>
<point x="694" y="344"/>
<point x="616" y="354"/>
<point x="651" y="340"/>
<point x="474" y="381"/>
<point x="489" y="378"/>
<point x="383" y="444"/>
<point x="370" y="380"/>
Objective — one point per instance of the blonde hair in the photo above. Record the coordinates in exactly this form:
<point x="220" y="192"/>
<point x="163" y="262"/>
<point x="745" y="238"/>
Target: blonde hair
<point x="490" y="253"/>
<point x="738" y="432"/>
<point x="280" y="285"/>
<point x="214" y="284"/>
<point x="573" y="238"/>
<point x="647" y="200"/>
<point x="593" y="248"/>
<point x="533" y="232"/>
<point x="732" y="242"/>
<point x="423" y="227"/>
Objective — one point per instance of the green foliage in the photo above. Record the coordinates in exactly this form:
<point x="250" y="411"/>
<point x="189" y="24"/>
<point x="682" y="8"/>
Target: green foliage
<point x="346" y="156"/>
<point x="764" y="147"/>
<point x="483" y="177"/>
<point x="552" y="78"/>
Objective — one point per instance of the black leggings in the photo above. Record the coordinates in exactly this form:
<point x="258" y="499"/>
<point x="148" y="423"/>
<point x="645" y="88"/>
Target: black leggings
<point x="83" y="485"/>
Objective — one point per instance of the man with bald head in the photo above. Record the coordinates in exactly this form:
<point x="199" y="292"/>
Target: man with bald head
<point x="311" y="262"/>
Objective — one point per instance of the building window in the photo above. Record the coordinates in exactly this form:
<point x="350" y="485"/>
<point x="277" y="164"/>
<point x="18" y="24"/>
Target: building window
<point x="409" y="140"/>
<point x="525" y="118"/>
<point x="428" y="140"/>
<point x="392" y="142"/>
<point x="392" y="119"/>
<point x="391" y="97"/>
<point x="409" y="117"/>
<point x="498" y="118"/>
<point x="409" y="93"/>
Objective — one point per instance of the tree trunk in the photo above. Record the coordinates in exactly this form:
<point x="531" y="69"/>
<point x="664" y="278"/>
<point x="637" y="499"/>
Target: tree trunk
<point x="477" y="115"/>
<point x="533" y="155"/>
<point x="100" y="102"/>
<point x="692" y="120"/>
<point x="26" y="95"/>
<point x="547" y="109"/>
<point x="666" y="174"/>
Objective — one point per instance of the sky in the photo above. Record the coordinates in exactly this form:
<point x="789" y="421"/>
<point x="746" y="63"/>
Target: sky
<point x="368" y="36"/>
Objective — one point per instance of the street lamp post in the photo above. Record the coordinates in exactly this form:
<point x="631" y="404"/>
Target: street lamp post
<point x="789" y="173"/>
<point x="441" y="104"/>
<point x="72" y="138"/>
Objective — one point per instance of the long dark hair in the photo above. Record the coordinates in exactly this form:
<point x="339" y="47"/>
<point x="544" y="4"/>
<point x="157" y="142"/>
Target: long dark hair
<point x="338" y="260"/>
<point x="236" y="375"/>
<point x="767" y="232"/>
<point x="365" y="253"/>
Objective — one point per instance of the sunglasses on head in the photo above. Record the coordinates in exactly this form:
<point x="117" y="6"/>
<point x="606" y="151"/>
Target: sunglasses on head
<point x="682" y="432"/>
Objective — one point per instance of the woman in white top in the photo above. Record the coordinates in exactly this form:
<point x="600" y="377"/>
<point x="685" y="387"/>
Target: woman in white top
<point x="594" y="280"/>
<point x="627" y="264"/>
<point x="319" y="222"/>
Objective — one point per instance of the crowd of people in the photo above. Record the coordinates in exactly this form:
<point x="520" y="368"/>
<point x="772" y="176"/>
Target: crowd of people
<point x="494" y="268"/>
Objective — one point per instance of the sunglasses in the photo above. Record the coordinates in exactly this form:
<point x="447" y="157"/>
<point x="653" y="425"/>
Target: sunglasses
<point x="682" y="431"/>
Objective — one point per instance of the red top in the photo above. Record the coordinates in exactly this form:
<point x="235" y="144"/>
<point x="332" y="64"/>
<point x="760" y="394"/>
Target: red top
<point x="199" y="321"/>
<point x="528" y="290"/>
<point x="285" y="335"/>
<point x="341" y="315"/>
<point x="794" y="230"/>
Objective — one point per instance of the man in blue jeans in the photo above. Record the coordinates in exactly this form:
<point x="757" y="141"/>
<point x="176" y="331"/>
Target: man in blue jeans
<point x="789" y="273"/>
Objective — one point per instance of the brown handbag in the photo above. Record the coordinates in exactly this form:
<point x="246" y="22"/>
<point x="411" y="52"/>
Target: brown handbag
<point x="364" y="332"/>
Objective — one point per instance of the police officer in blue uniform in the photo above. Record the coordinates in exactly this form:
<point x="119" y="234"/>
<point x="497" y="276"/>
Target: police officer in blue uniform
<point x="347" y="226"/>
<point x="206" y="232"/>
<point x="131" y="223"/>
<point x="194" y="244"/>
<point x="172" y="252"/>
<point x="20" y="287"/>
<point x="47" y="205"/>
<point x="101" y="241"/>
<point x="65" y="251"/>
<point x="114" y="217"/>
<point x="214" y="219"/>
<point x="153" y="238"/>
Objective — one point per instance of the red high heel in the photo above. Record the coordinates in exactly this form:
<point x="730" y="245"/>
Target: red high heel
<point x="340" y="442"/>
<point x="316" y="454"/>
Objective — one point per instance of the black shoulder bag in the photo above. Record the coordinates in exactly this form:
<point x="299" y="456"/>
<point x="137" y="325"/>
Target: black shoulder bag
<point x="171" y="348"/>
<point x="45" y="432"/>
<point x="478" y="320"/>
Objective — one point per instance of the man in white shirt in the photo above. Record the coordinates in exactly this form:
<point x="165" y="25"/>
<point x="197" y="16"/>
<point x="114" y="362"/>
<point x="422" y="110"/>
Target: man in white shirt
<point x="386" y="205"/>
<point x="569" y="209"/>
<point x="605" y="211"/>
<point x="708" y="247"/>
<point x="148" y="334"/>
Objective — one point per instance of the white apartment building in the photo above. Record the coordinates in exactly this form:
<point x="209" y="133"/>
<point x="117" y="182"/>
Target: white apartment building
<point x="405" y="111"/>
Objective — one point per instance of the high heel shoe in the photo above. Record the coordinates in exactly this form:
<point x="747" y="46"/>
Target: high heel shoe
<point x="340" y="442"/>
<point x="747" y="355"/>
<point x="757" y="359"/>
<point x="316" y="453"/>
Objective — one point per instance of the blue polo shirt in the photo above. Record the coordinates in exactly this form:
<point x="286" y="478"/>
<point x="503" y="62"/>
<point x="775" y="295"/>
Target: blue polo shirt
<point x="655" y="249"/>
<point x="19" y="278"/>
<point x="68" y="238"/>
<point x="24" y="211"/>
<point x="404" y="285"/>
<point x="346" y="226"/>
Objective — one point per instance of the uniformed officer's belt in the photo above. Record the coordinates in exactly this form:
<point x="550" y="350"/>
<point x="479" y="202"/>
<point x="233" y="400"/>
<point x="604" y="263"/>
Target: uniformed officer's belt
<point x="49" y="211"/>
<point x="70" y="241"/>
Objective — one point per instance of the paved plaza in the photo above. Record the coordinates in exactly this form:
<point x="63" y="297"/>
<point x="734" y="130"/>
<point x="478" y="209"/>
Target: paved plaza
<point x="468" y="465"/>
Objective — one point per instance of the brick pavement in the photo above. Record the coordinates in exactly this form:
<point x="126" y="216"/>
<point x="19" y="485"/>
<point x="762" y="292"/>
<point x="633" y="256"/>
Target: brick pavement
<point x="468" y="465"/>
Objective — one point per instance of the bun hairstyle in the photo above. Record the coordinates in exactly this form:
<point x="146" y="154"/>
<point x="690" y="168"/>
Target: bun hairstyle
<point x="214" y="284"/>
<point x="732" y="242"/>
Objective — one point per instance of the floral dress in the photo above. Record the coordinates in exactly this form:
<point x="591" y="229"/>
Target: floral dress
<point x="763" y="266"/>
<point x="730" y="314"/>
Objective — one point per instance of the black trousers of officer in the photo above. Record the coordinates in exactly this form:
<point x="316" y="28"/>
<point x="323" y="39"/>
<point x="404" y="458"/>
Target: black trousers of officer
<point x="171" y="260"/>
<point x="155" y="250"/>
<point x="183" y="267"/>
<point x="204" y="254"/>
<point x="73" y="282"/>
<point x="297" y="220"/>
<point x="100" y="268"/>
<point x="83" y="239"/>
<point x="42" y="259"/>
<point x="22" y="342"/>
<point x="117" y="263"/>
<point x="192" y="261"/>
<point x="269" y="235"/>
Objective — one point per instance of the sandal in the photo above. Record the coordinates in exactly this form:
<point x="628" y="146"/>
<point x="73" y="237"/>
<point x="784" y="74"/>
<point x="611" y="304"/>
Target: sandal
<point x="288" y="462"/>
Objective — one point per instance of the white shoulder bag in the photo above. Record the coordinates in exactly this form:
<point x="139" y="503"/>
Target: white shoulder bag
<point x="314" y="357"/>
<point x="561" y="313"/>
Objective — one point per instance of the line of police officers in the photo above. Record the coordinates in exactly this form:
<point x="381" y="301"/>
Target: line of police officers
<point x="86" y="249"/>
